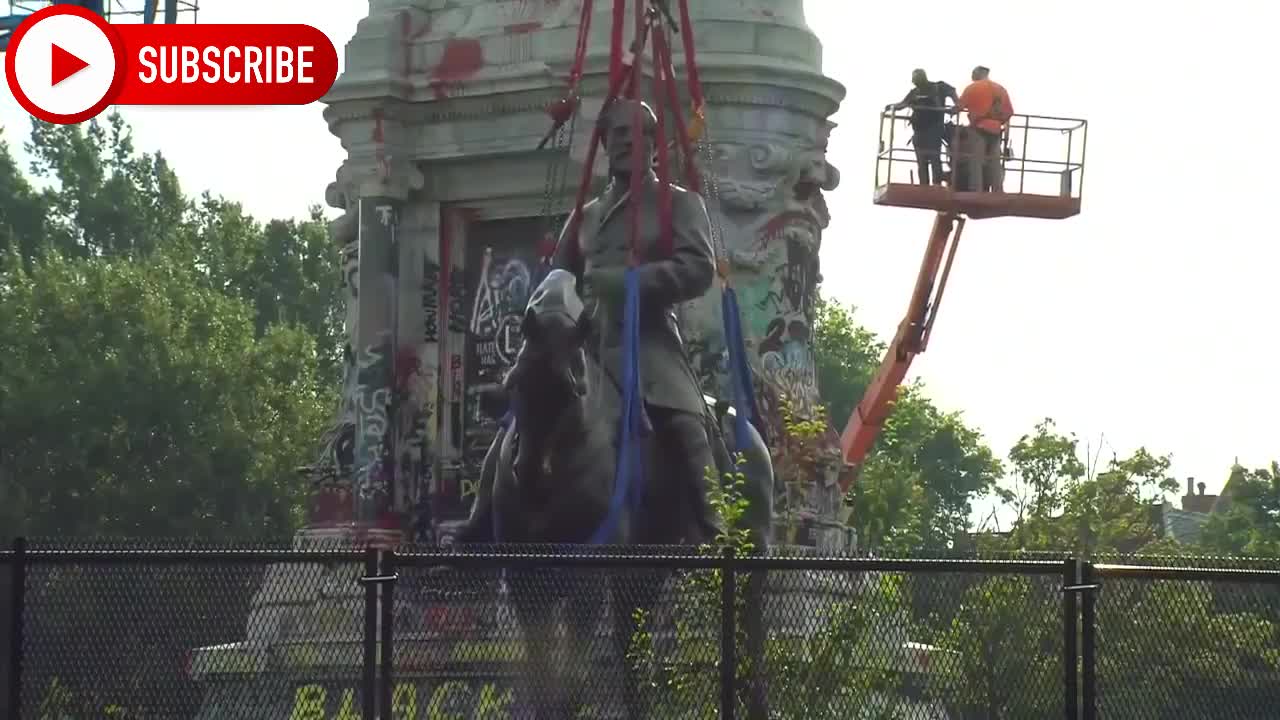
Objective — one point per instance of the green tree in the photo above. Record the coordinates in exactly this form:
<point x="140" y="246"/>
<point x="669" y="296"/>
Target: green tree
<point x="1063" y="506"/>
<point x="916" y="485"/>
<point x="1173" y="649"/>
<point x="1004" y="644"/>
<point x="22" y="211"/>
<point x="847" y="357"/>
<point x="137" y="402"/>
<point x="168" y="365"/>
<point x="285" y="269"/>
<point x="102" y="198"/>
<point x="1045" y="466"/>
<point x="1250" y="522"/>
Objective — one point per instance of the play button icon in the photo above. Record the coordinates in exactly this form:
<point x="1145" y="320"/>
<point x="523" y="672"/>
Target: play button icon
<point x="64" y="64"/>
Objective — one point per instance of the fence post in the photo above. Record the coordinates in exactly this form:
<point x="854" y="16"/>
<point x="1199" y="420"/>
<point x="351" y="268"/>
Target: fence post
<point x="1089" y="642"/>
<point x="18" y="588"/>
<point x="369" y="680"/>
<point x="1070" y="639"/>
<point x="728" y="635"/>
<point x="387" y="584"/>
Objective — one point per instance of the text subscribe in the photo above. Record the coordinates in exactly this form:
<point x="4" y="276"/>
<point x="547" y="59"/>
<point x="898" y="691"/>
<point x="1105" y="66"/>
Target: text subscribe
<point x="223" y="65"/>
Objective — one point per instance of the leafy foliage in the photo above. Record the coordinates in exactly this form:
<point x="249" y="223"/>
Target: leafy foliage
<point x="916" y="487"/>
<point x="169" y="363"/>
<point x="138" y="403"/>
<point x="1249" y="524"/>
<point x="837" y="668"/>
<point x="1006" y="651"/>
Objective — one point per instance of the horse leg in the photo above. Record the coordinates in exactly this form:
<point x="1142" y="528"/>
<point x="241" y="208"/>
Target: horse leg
<point x="757" y="691"/>
<point x="582" y="666"/>
<point x="479" y="528"/>
<point x="535" y="610"/>
<point x="633" y="592"/>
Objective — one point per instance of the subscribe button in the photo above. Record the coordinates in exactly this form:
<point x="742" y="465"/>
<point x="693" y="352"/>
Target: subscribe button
<point x="66" y="64"/>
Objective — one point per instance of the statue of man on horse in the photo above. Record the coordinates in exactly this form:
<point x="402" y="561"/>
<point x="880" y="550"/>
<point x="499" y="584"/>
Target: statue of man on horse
<point x="673" y="402"/>
<point x="551" y="475"/>
<point x="597" y="256"/>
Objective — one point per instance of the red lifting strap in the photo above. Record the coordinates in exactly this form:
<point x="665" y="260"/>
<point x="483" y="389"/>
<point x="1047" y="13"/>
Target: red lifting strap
<point x="562" y="110"/>
<point x="624" y="80"/>
<point x="637" y="140"/>
<point x="666" y="232"/>
<point x="616" y="81"/>
<point x="580" y="50"/>
<point x="615" y="40"/>
<point x="690" y="58"/>
<point x="662" y="58"/>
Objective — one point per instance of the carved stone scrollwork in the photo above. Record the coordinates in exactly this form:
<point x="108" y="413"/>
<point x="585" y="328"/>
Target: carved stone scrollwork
<point x="772" y="213"/>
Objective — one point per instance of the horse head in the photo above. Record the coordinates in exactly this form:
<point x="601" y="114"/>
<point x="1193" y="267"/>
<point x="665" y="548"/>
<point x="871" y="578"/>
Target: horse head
<point x="551" y="364"/>
<point x="549" y="375"/>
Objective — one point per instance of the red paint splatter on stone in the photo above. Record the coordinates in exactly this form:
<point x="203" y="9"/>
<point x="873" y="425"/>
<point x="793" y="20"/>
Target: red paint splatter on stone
<point x="463" y="57"/>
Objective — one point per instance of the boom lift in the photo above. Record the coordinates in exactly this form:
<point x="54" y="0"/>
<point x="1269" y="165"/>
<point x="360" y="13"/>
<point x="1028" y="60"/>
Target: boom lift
<point x="1055" y="194"/>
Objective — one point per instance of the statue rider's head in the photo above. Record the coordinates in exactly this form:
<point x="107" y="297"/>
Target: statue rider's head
<point x="617" y="122"/>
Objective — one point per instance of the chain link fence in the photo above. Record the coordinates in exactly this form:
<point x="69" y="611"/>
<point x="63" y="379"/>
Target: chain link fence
<point x="273" y="632"/>
<point x="1187" y="638"/>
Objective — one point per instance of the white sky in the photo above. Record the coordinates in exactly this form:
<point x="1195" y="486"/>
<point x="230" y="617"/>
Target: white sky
<point x="1148" y="318"/>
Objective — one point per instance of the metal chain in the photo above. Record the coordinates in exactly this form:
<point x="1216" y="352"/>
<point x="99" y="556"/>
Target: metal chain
<point x="550" y="181"/>
<point x="557" y="175"/>
<point x="711" y="192"/>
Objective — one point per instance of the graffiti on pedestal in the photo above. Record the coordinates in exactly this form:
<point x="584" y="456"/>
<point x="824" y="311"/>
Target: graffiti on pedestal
<point x="413" y="402"/>
<point x="431" y="300"/>
<point x="786" y="359"/>
<point x="457" y="302"/>
<point x="496" y="313"/>
<point x="501" y="269"/>
<point x="425" y="699"/>
<point x="770" y="207"/>
<point x="373" y="400"/>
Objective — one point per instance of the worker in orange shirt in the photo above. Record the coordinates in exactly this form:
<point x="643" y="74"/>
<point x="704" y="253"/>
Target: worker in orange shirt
<point x="989" y="110"/>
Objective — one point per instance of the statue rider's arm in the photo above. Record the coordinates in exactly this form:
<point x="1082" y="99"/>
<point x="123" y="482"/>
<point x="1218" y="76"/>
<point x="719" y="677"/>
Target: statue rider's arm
<point x="687" y="274"/>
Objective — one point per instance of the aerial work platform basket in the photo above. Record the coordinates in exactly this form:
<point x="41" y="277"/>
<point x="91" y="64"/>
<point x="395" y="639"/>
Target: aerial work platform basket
<point x="1037" y="173"/>
<point x="1041" y="173"/>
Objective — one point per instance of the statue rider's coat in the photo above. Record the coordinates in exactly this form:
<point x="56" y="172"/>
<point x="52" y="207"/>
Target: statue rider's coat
<point x="687" y="273"/>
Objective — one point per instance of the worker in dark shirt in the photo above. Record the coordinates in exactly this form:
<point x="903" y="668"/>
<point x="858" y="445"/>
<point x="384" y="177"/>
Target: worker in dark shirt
<point x="928" y="120"/>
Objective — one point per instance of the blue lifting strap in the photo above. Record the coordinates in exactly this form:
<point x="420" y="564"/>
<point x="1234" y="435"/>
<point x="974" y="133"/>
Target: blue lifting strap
<point x="744" y="400"/>
<point x="630" y="468"/>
